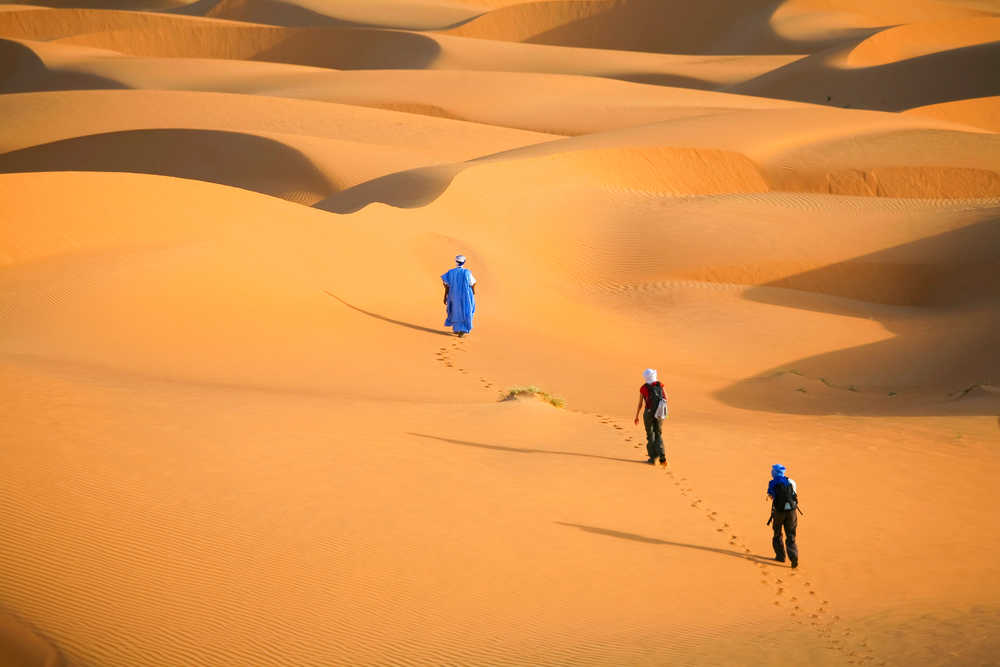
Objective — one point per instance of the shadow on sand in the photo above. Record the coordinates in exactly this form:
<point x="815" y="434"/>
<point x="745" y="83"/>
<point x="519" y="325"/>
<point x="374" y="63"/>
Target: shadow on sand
<point x="436" y="332"/>
<point x="516" y="450"/>
<point x="652" y="540"/>
<point x="939" y="296"/>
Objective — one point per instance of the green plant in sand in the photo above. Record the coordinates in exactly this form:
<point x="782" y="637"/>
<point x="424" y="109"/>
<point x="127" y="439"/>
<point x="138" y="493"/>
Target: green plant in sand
<point x="516" y="392"/>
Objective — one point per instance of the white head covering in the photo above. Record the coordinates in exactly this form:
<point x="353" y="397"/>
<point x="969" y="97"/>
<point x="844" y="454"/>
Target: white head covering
<point x="649" y="375"/>
<point x="460" y="259"/>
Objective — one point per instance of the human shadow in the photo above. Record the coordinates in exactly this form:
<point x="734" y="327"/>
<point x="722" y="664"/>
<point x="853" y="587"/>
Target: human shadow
<point x="939" y="296"/>
<point x="653" y="540"/>
<point x="408" y="325"/>
<point x="517" y="450"/>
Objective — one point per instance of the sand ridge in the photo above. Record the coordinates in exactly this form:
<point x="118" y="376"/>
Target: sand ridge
<point x="236" y="431"/>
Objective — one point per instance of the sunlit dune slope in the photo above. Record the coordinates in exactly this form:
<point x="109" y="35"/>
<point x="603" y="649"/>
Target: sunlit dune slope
<point x="919" y="39"/>
<point x="893" y="85"/>
<point x="715" y="26"/>
<point x="33" y="65"/>
<point x="298" y="150"/>
<point x="981" y="112"/>
<point x="167" y="36"/>
<point x="236" y="431"/>
<point x="179" y="318"/>
<point x="412" y="15"/>
<point x="817" y="150"/>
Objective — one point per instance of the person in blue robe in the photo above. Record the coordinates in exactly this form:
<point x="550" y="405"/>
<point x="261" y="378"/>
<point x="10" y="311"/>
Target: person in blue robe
<point x="459" y="297"/>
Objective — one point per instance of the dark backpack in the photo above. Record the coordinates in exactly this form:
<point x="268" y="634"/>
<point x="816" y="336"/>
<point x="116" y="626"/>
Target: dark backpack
<point x="655" y="396"/>
<point x="784" y="493"/>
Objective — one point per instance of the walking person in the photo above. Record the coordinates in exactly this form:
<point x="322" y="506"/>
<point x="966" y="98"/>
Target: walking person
<point x="652" y="394"/>
<point x="784" y="504"/>
<point x="459" y="297"/>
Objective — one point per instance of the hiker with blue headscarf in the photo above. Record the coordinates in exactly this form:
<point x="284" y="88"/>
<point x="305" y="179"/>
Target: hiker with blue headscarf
<point x="652" y="394"/>
<point x="783" y="493"/>
<point x="459" y="297"/>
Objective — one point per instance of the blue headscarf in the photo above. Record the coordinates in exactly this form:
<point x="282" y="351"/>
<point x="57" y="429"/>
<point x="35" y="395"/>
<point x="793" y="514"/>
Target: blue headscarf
<point x="778" y="477"/>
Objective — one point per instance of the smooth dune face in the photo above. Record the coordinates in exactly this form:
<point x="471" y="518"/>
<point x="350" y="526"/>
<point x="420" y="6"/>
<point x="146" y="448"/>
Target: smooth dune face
<point x="237" y="433"/>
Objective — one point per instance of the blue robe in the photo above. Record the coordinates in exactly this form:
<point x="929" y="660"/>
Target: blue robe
<point x="461" y="300"/>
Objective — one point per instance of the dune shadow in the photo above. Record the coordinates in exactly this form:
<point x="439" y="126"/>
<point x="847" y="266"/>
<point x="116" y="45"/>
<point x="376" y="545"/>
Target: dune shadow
<point x="412" y="188"/>
<point x="666" y="79"/>
<point x="716" y="27"/>
<point x="352" y="48"/>
<point x="278" y="13"/>
<point x="518" y="450"/>
<point x="22" y="645"/>
<point x="436" y="332"/>
<point x="274" y="13"/>
<point x="939" y="296"/>
<point x="22" y="71"/>
<point x="653" y="540"/>
<point x="894" y="86"/>
<point x="228" y="158"/>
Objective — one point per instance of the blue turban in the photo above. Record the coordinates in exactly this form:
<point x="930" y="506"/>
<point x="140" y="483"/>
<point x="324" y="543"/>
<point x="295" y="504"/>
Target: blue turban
<point x="777" y="470"/>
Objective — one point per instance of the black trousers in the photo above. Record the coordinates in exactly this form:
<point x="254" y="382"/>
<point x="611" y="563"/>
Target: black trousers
<point x="654" y="437"/>
<point x="789" y="521"/>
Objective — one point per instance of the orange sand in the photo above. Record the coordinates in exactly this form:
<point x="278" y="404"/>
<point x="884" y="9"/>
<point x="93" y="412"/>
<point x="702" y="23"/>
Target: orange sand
<point x="236" y="432"/>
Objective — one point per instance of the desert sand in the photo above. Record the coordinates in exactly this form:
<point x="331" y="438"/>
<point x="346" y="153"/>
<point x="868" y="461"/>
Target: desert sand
<point x="237" y="433"/>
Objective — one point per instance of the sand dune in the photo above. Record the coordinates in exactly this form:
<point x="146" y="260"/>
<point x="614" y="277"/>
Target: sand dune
<point x="798" y="150"/>
<point x="978" y="112"/>
<point x="418" y="15"/>
<point x="48" y="66"/>
<point x="302" y="151"/>
<point x="237" y="433"/>
<point x="919" y="39"/>
<point x="640" y="25"/>
<point x="798" y="26"/>
<point x="158" y="35"/>
<point x="895" y="86"/>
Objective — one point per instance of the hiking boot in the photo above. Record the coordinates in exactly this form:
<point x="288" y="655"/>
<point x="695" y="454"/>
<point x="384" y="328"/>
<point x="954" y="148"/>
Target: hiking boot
<point x="795" y="564"/>
<point x="780" y="559"/>
<point x="652" y="460"/>
<point x="663" y="460"/>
